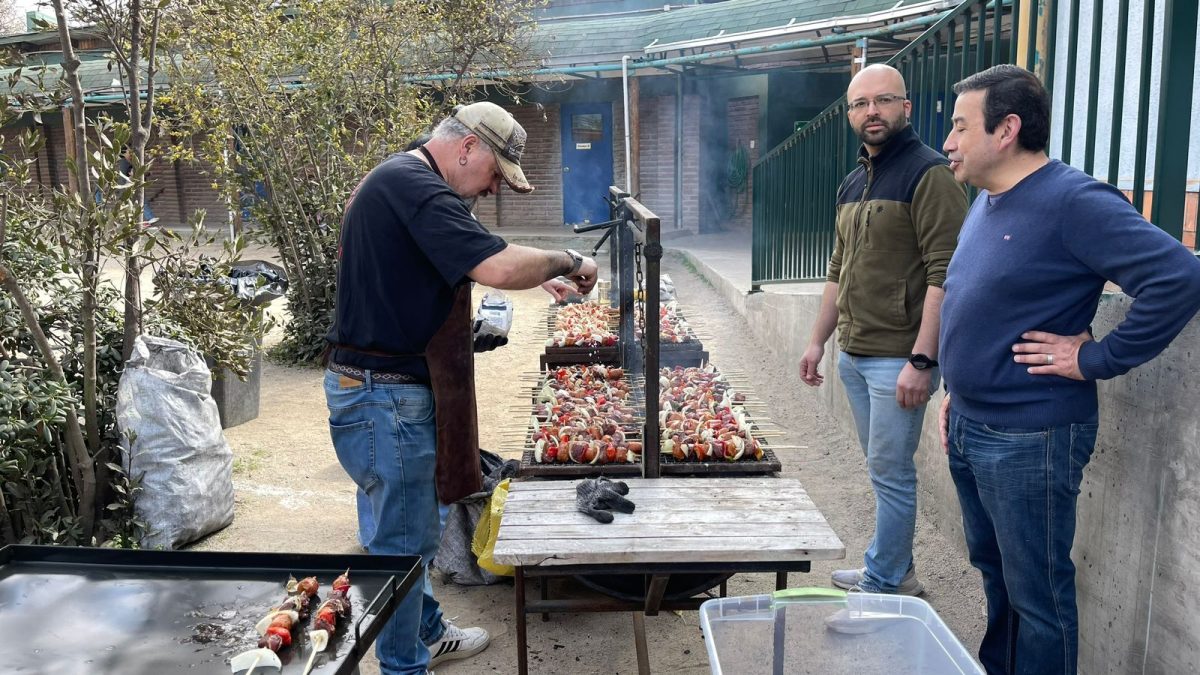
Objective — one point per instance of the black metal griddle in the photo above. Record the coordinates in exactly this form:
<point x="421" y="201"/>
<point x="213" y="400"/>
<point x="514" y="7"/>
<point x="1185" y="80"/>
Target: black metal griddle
<point x="67" y="611"/>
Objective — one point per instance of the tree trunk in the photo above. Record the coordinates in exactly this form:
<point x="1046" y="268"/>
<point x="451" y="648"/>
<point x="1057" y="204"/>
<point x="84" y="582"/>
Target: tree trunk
<point x="81" y="464"/>
<point x="138" y="149"/>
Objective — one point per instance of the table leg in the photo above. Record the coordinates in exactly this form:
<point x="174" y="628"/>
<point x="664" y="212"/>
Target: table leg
<point x="777" y="643"/>
<point x="724" y="589"/>
<point x="522" y="645"/>
<point x="639" y="643"/>
<point x="655" y="592"/>
<point x="545" y="583"/>
<point x="780" y="637"/>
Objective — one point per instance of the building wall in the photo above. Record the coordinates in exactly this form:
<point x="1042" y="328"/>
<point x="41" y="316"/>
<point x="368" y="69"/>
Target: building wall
<point x="172" y="206"/>
<point x="742" y="115"/>
<point x="1137" y="547"/>
<point x="162" y="187"/>
<point x="175" y="191"/>
<point x="542" y="164"/>
<point x="656" y="173"/>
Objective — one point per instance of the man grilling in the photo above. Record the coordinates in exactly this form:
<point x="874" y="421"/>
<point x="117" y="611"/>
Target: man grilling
<point x="399" y="385"/>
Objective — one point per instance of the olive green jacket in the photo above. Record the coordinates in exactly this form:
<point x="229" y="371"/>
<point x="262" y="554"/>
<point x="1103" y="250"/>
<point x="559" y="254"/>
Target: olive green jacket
<point x="898" y="217"/>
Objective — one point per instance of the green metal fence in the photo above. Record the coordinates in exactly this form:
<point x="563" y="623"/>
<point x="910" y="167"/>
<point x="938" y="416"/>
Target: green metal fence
<point x="795" y="184"/>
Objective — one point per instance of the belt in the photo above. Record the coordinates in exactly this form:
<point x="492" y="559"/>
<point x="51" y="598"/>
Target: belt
<point x="376" y="376"/>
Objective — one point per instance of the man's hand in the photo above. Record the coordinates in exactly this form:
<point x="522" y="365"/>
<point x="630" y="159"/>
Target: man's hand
<point x="1050" y="354"/>
<point x="486" y="342"/>
<point x="558" y="289"/>
<point x="912" y="386"/>
<point x="944" y="423"/>
<point x="585" y="278"/>
<point x="809" y="364"/>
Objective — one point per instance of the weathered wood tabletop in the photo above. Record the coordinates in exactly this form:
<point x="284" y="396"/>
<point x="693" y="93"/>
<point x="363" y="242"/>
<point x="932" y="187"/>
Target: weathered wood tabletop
<point x="697" y="520"/>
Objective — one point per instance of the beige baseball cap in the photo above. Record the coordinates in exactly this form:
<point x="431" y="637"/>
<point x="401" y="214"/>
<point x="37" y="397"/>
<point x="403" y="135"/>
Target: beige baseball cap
<point x="497" y="127"/>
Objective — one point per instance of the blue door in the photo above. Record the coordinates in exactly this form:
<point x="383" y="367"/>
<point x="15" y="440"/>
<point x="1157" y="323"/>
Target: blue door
<point x="587" y="159"/>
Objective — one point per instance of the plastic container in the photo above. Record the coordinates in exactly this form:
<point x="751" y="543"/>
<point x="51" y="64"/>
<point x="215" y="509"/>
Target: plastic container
<point x="828" y="631"/>
<point x="495" y="315"/>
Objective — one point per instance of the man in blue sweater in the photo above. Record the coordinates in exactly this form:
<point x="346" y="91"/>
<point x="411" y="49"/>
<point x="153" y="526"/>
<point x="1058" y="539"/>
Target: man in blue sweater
<point x="1019" y="360"/>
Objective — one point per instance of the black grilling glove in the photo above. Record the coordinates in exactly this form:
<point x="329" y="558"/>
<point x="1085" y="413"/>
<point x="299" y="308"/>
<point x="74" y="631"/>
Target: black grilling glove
<point x="486" y="342"/>
<point x="597" y="496"/>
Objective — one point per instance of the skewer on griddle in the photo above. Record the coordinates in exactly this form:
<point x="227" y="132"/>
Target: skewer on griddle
<point x="251" y="659"/>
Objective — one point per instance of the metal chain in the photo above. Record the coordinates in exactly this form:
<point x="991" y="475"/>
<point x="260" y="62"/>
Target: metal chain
<point x="641" y="293"/>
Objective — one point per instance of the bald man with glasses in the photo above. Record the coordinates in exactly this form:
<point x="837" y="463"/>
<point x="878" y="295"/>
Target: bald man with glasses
<point x="898" y="217"/>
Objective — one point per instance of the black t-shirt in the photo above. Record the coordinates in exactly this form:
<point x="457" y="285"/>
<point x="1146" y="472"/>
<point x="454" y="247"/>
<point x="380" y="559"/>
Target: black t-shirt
<point x="407" y="242"/>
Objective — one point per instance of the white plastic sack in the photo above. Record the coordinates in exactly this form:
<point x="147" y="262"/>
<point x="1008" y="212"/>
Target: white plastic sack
<point x="179" y="453"/>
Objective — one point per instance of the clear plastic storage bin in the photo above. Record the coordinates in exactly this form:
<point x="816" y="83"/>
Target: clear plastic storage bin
<point x="827" y="631"/>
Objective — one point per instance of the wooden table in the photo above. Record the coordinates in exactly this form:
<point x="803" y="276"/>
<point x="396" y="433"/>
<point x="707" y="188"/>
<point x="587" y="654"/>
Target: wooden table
<point x="680" y="525"/>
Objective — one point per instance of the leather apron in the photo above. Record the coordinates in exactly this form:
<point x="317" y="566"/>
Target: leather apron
<point x="451" y="360"/>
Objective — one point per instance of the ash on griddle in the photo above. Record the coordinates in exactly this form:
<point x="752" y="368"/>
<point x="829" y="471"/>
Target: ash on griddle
<point x="221" y="627"/>
<point x="204" y="633"/>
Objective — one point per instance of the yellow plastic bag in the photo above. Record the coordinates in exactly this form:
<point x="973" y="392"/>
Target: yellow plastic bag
<point x="483" y="545"/>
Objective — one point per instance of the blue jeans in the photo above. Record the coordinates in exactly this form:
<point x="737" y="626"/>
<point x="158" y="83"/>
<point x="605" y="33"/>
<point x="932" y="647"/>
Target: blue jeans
<point x="1017" y="488"/>
<point x="431" y="610"/>
<point x="889" y="436"/>
<point x="386" y="440"/>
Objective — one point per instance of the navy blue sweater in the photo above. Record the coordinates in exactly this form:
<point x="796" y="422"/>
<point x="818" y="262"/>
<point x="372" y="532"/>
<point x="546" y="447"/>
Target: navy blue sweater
<point x="1036" y="258"/>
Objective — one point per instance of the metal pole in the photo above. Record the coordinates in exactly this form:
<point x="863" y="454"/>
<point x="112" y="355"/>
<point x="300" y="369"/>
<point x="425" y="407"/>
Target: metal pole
<point x="1174" y="116"/>
<point x="653" y="251"/>
<point x="630" y="357"/>
<point x="625" y="91"/>
<point x="615" y="195"/>
<point x="678" y="152"/>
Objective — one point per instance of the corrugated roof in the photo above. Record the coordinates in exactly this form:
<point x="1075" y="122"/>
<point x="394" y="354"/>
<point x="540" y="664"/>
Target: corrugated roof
<point x="95" y="77"/>
<point x="606" y="39"/>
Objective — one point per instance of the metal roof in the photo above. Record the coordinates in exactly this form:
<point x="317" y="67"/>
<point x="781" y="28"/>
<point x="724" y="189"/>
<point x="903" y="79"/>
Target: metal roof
<point x="607" y="39"/>
<point x="686" y="31"/>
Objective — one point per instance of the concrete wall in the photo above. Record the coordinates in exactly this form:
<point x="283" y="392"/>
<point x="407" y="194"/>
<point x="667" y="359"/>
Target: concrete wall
<point x="1137" y="547"/>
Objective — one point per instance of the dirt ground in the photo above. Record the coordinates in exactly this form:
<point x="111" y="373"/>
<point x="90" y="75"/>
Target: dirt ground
<point x="286" y="473"/>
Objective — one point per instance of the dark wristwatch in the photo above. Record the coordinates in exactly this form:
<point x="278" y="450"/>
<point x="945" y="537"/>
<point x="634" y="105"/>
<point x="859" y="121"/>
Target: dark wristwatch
<point x="922" y="362"/>
<point x="576" y="261"/>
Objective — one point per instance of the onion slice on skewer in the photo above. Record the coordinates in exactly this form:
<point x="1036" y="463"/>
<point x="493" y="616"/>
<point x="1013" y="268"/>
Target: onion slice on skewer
<point x="251" y="659"/>
<point x="318" y="640"/>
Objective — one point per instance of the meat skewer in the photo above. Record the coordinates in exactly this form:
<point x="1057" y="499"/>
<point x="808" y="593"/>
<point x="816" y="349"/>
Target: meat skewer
<point x="337" y="605"/>
<point x="585" y="415"/>
<point x="275" y="628"/>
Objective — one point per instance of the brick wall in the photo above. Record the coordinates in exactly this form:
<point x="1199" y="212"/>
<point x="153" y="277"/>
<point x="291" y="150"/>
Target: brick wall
<point x="171" y="207"/>
<point x="162" y="191"/>
<point x="12" y="148"/>
<point x="742" y="116"/>
<point x="542" y="163"/>
<point x="656" y="173"/>
<point x="618" y="141"/>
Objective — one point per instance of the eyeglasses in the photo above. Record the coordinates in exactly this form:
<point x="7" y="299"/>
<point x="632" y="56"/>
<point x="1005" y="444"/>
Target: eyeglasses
<point x="881" y="101"/>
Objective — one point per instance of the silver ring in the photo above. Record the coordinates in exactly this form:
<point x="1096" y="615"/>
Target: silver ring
<point x="1049" y="359"/>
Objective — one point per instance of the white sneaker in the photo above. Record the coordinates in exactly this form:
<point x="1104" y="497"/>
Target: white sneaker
<point x="457" y="643"/>
<point x="850" y="580"/>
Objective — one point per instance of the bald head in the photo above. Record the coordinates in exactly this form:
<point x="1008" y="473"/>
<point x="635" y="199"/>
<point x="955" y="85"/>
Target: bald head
<point x="875" y="79"/>
<point x="878" y="107"/>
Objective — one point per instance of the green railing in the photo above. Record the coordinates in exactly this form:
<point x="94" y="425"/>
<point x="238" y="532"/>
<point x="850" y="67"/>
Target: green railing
<point x="795" y="184"/>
